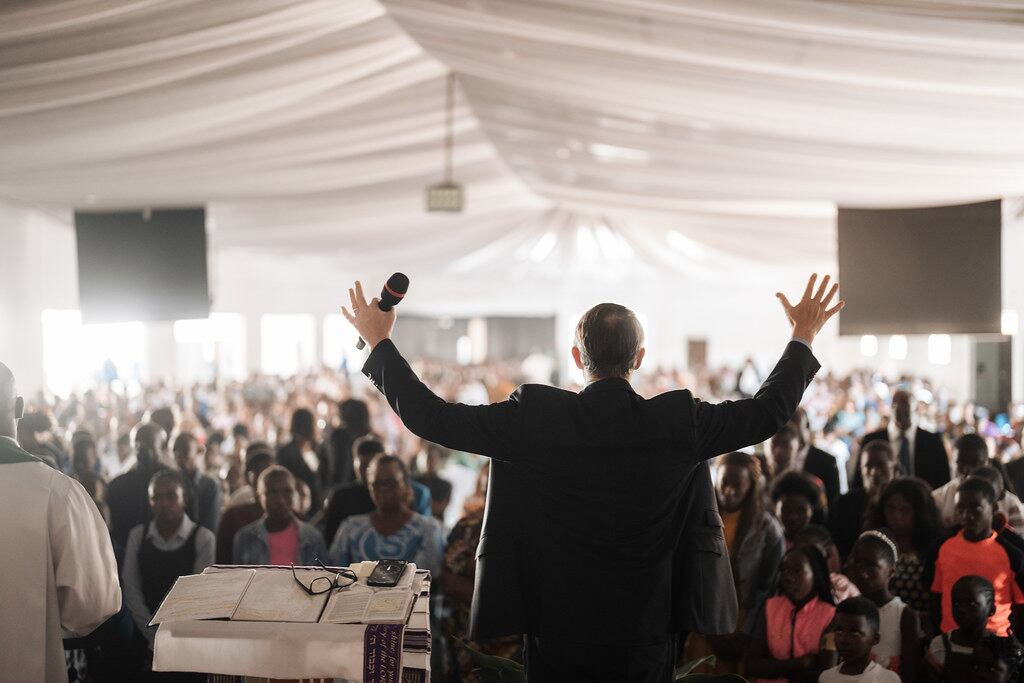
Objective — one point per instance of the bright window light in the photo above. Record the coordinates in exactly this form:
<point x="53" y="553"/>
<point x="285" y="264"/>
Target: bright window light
<point x="1010" y="323"/>
<point x="940" y="349"/>
<point x="464" y="350"/>
<point x="77" y="357"/>
<point x="211" y="347"/>
<point x="869" y="346"/>
<point x="340" y="340"/>
<point x="288" y="344"/>
<point x="898" y="347"/>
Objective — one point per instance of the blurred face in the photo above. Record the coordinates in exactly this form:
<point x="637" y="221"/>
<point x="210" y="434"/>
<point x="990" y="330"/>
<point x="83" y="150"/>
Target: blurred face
<point x="899" y="515"/>
<point x="796" y="578"/>
<point x="855" y="636"/>
<point x="794" y="512"/>
<point x="784" y="450"/>
<point x="985" y="668"/>
<point x="878" y="469"/>
<point x="902" y="409"/>
<point x="971" y="607"/>
<point x="974" y="512"/>
<point x="734" y="487"/>
<point x="869" y="569"/>
<point x="388" y="487"/>
<point x="186" y="454"/>
<point x="167" y="501"/>
<point x="277" y="495"/>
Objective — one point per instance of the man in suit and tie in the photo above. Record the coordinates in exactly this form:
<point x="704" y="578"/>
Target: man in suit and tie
<point x="919" y="453"/>
<point x="602" y="541"/>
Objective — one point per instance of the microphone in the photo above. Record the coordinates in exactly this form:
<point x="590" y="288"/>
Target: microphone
<point x="392" y="295"/>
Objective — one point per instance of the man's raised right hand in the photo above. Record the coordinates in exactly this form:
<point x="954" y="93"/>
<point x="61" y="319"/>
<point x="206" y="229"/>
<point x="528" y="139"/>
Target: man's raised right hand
<point x="809" y="315"/>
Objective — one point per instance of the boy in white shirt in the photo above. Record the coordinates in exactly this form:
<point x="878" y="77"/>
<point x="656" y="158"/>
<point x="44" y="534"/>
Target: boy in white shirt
<point x="855" y="628"/>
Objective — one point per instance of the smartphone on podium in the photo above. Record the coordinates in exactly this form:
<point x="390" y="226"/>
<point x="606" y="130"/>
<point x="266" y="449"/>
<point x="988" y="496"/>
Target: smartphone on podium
<point x="387" y="573"/>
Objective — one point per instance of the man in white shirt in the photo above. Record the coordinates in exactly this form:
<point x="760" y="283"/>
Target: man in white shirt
<point x="970" y="453"/>
<point x="58" y="568"/>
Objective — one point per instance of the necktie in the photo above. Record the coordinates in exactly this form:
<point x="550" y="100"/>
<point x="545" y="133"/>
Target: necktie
<point x="905" y="455"/>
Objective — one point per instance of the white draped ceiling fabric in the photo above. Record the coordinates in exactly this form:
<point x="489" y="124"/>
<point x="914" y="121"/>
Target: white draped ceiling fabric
<point x="610" y="138"/>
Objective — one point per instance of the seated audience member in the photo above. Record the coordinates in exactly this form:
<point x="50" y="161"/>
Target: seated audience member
<point x="907" y="510"/>
<point x="973" y="604"/>
<point x="120" y="460"/>
<point x="167" y="419"/>
<point x="849" y="516"/>
<point x="352" y="498"/>
<point x="355" y="424"/>
<point x="872" y="563"/>
<point x="214" y="459"/>
<point x="429" y="462"/>
<point x="1008" y="505"/>
<point x="456" y="584"/>
<point x="393" y="530"/>
<point x="856" y="629"/>
<point x="278" y="537"/>
<point x="240" y="439"/>
<point x="818" y="536"/>
<point x="304" y="456"/>
<point x="977" y="550"/>
<point x="798" y="501"/>
<point x="816" y="462"/>
<point x="35" y="435"/>
<point x="201" y="491"/>
<point x="234" y="518"/>
<point x="970" y="453"/>
<point x="755" y="543"/>
<point x="246" y="493"/>
<point x="787" y="642"/>
<point x="128" y="494"/>
<point x="160" y="551"/>
<point x="920" y="453"/>
<point x="997" y="660"/>
<point x="85" y="463"/>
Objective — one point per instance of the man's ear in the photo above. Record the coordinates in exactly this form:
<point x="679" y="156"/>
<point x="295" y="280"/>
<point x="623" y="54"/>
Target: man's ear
<point x="19" y="408"/>
<point x="576" y="357"/>
<point x="639" y="358"/>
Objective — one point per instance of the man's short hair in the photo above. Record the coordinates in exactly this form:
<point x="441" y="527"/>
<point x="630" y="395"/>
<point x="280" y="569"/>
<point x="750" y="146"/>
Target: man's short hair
<point x="169" y="477"/>
<point x="257" y="455"/>
<point x="979" y="485"/>
<point x="274" y="472"/>
<point x="367" y="446"/>
<point x="976" y="583"/>
<point x="385" y="459"/>
<point x="609" y="337"/>
<point x="972" y="445"/>
<point x="788" y="432"/>
<point x="860" y="606"/>
<point x="879" y="446"/>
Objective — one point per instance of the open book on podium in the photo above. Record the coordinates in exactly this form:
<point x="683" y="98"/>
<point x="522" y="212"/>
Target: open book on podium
<point x="271" y="593"/>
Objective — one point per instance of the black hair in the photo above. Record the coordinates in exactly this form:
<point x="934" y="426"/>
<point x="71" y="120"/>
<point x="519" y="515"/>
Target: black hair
<point x="878" y="445"/>
<point x="992" y="475"/>
<point x="821" y="585"/>
<point x="367" y="445"/>
<point x="240" y="430"/>
<point x="381" y="460"/>
<point x="972" y="444"/>
<point x="169" y="476"/>
<point x="258" y="455"/>
<point x="888" y="550"/>
<point x="302" y="423"/>
<point x="216" y="437"/>
<point x="799" y="484"/>
<point x="1007" y="650"/>
<point x="979" y="485"/>
<point x="928" y="529"/>
<point x="859" y="606"/>
<point x="789" y="432"/>
<point x="355" y="416"/>
<point x="978" y="583"/>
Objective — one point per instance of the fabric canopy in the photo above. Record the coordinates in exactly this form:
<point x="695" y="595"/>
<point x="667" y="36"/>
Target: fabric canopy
<point x="647" y="137"/>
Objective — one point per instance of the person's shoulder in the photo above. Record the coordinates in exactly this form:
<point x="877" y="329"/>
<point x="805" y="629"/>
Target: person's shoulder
<point x="830" y="675"/>
<point x="425" y="521"/>
<point x="540" y="392"/>
<point x="136" y="534"/>
<point x="204" y="535"/>
<point x="883" y="675"/>
<point x="356" y="522"/>
<point x="250" y="529"/>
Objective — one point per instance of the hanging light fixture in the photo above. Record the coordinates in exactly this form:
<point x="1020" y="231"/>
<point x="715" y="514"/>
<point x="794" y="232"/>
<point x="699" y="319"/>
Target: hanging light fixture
<point x="447" y="195"/>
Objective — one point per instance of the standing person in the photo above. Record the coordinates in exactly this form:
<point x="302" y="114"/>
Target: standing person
<point x="754" y="539"/>
<point x="798" y="500"/>
<point x="1008" y="505"/>
<point x="970" y="453"/>
<point x="158" y="552"/>
<point x="243" y="514"/>
<point x="304" y="456"/>
<point x="393" y="530"/>
<point x="920" y="453"/>
<point x="203" y="493"/>
<point x="354" y="497"/>
<point x="128" y="495"/>
<point x="907" y="510"/>
<point x="355" y="423"/>
<point x="815" y="461"/>
<point x="568" y="507"/>
<point x="850" y="514"/>
<point x="856" y="629"/>
<point x="977" y="550"/>
<point x="974" y="604"/>
<point x="278" y="537"/>
<point x="872" y="563"/>
<point x="58" y="568"/>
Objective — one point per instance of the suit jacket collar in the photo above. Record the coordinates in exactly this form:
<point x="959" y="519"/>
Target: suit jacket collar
<point x="608" y="384"/>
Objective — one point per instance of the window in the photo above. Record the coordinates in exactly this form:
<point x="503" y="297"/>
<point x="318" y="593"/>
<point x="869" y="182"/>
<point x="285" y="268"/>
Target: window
<point x="77" y="356"/>
<point x="289" y="344"/>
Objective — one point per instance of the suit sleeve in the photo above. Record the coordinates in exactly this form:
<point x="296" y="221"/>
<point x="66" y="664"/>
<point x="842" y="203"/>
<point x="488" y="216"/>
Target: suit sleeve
<point x="730" y="425"/>
<point x="485" y="430"/>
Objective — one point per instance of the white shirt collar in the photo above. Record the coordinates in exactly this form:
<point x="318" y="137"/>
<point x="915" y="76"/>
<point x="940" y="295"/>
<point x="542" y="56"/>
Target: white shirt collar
<point x="894" y="431"/>
<point x="181" y="534"/>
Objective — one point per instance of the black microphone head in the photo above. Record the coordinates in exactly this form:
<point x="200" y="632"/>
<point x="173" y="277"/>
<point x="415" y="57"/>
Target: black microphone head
<point x="394" y="291"/>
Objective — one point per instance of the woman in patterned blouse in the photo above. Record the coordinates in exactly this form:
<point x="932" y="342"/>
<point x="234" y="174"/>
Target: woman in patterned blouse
<point x="393" y="530"/>
<point x="907" y="509"/>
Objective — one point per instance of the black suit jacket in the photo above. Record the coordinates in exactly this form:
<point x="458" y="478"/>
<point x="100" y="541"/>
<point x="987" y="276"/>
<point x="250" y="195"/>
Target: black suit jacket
<point x="600" y="524"/>
<point x="931" y="462"/>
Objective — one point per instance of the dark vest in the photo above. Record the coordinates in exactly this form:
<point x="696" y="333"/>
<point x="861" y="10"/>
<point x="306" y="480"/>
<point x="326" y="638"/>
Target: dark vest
<point x="160" y="568"/>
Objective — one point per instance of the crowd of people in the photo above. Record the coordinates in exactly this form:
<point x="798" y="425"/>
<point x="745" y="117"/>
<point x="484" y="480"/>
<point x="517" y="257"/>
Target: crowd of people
<point x="881" y="526"/>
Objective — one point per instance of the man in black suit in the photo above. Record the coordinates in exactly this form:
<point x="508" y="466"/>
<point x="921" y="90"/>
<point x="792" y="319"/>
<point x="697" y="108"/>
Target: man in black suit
<point x="816" y="461"/>
<point x="919" y="453"/>
<point x="586" y="536"/>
